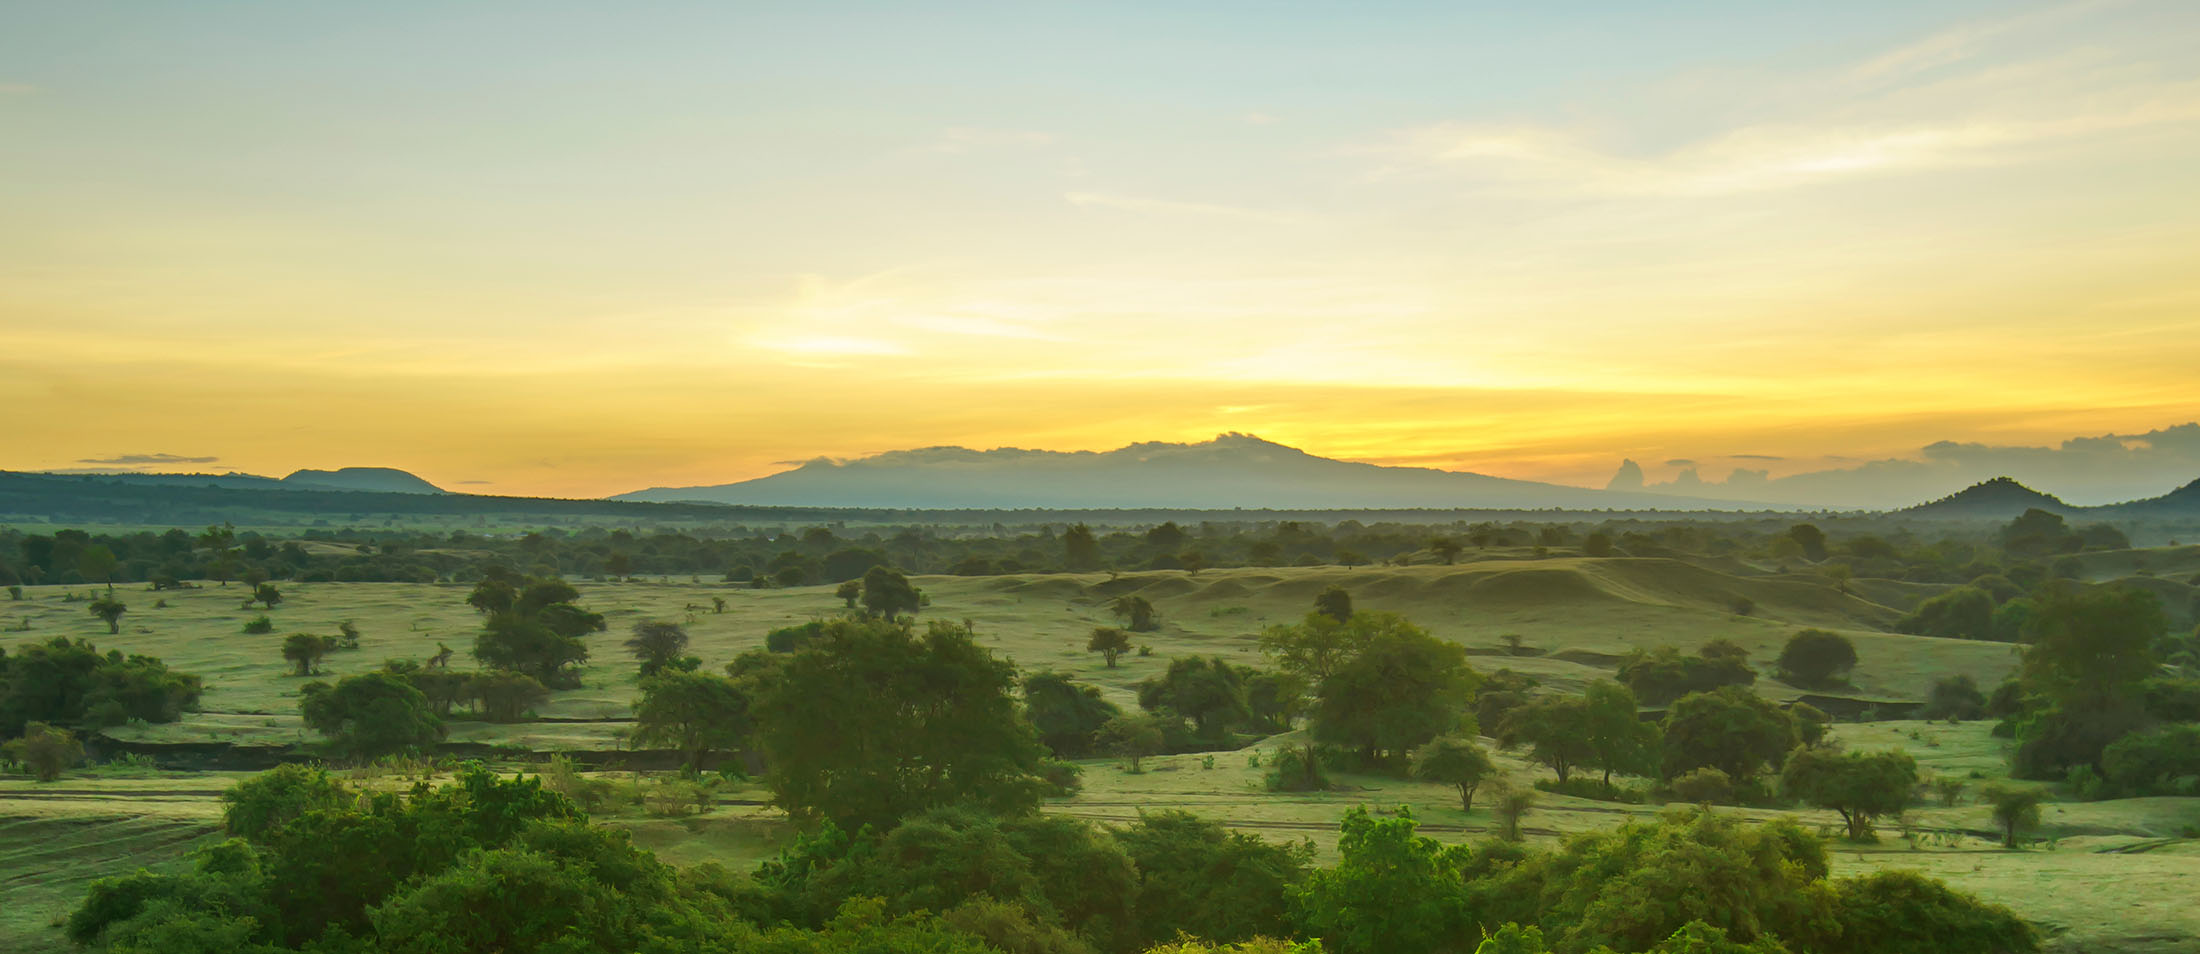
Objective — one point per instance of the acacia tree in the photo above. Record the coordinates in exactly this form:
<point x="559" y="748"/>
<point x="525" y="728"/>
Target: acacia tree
<point x="657" y="645"/>
<point x="266" y="595"/>
<point x="2016" y="810"/>
<point x="109" y="610"/>
<point x="1454" y="761"/>
<point x="1860" y="786"/>
<point x="696" y="713"/>
<point x="1334" y="603"/>
<point x="1132" y="737"/>
<point x="918" y="721"/>
<point x="305" y="651"/>
<point x="1554" y="728"/>
<point x="1110" y="643"/>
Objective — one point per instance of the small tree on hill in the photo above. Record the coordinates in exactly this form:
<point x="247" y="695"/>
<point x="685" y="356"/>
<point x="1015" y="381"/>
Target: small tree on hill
<point x="1814" y="657"/>
<point x="109" y="610"/>
<point x="305" y="651"/>
<point x="1110" y="643"/>
<point x="1457" y="762"/>
<point x="1860" y="786"/>
<point x="46" y="750"/>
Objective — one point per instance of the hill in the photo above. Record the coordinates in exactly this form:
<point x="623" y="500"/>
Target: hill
<point x="2001" y="497"/>
<point x="1228" y="472"/>
<point x="373" y="479"/>
<point x="2184" y="501"/>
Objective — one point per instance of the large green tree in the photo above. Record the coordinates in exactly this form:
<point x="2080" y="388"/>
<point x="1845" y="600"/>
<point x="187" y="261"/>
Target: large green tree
<point x="1861" y="786"/>
<point x="1205" y="689"/>
<point x="872" y="720"/>
<point x="1402" y="688"/>
<point x="371" y="714"/>
<point x="1733" y="730"/>
<point x="1067" y="714"/>
<point x="696" y="713"/>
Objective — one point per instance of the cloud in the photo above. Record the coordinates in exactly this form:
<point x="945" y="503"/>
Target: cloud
<point x="1755" y="457"/>
<point x="475" y="482"/>
<point x="1680" y="462"/>
<point x="2016" y="97"/>
<point x="145" y="460"/>
<point x="1146" y="206"/>
<point x="831" y="345"/>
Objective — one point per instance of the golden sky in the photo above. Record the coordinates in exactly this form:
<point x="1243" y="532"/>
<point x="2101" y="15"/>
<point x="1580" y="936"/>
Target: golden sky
<point x="520" y="249"/>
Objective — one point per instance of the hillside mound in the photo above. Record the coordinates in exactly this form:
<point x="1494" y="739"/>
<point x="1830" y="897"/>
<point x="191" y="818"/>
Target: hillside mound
<point x="1999" y="498"/>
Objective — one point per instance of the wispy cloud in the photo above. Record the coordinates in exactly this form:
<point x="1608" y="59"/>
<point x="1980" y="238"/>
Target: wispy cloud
<point x="145" y="460"/>
<point x="831" y="346"/>
<point x="1150" y="206"/>
<point x="1954" y="99"/>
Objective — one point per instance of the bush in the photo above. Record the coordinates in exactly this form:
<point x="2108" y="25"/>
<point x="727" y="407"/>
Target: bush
<point x="1900" y="912"/>
<point x="1704" y="786"/>
<point x="45" y="750"/>
<point x="1956" y="699"/>
<point x="2161" y="761"/>
<point x="1814" y="657"/>
<point x="259" y="625"/>
<point x="1597" y="789"/>
<point x="1297" y="769"/>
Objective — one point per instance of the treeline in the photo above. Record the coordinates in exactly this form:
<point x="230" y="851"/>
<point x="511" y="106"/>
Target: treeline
<point x="2033" y="548"/>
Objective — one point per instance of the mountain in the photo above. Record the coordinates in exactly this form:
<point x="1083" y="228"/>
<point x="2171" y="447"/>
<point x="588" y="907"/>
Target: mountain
<point x="2184" y="501"/>
<point x="375" y="479"/>
<point x="2001" y="497"/>
<point x="369" y="479"/>
<point x="1230" y="471"/>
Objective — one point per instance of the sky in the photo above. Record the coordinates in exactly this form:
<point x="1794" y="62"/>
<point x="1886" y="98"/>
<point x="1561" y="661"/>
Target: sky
<point x="576" y="249"/>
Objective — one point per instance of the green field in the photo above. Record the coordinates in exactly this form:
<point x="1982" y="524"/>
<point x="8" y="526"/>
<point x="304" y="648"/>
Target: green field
<point x="1575" y="616"/>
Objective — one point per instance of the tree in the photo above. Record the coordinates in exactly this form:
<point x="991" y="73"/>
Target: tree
<point x="1446" y="549"/>
<point x="917" y="721"/>
<point x="98" y="564"/>
<point x="305" y="651"/>
<point x="1896" y="912"/>
<point x="521" y="644"/>
<point x="370" y="715"/>
<point x="258" y="805"/>
<point x="849" y="591"/>
<point x="1138" y="615"/>
<point x="695" y="713"/>
<point x="1733" y="730"/>
<point x="1199" y="878"/>
<point x="1206" y="690"/>
<point x="266" y="595"/>
<point x="619" y="566"/>
<point x="1457" y="762"/>
<point x="887" y="593"/>
<point x="1663" y="675"/>
<point x="502" y="696"/>
<point x="109" y="610"/>
<point x="2093" y="647"/>
<point x="70" y="683"/>
<point x="1965" y="612"/>
<point x="1109" y="642"/>
<point x="1401" y="689"/>
<point x="1068" y="715"/>
<point x="1814" y="657"/>
<point x="1275" y="699"/>
<point x="1392" y="891"/>
<point x="1513" y="804"/>
<point x="1811" y="539"/>
<point x="1080" y="551"/>
<point x="1860" y="786"/>
<point x="1555" y="730"/>
<point x="1334" y="603"/>
<point x="48" y="751"/>
<point x="1131" y="738"/>
<point x="1955" y="698"/>
<point x="1598" y="544"/>
<point x="2015" y="809"/>
<point x="657" y="645"/>
<point x="1618" y="740"/>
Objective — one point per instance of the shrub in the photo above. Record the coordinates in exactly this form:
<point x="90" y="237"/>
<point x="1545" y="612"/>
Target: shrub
<point x="47" y="751"/>
<point x="259" y="625"/>
<point x="2161" y="761"/>
<point x="1705" y="786"/>
<point x="1814" y="657"/>
<point x="1297" y="769"/>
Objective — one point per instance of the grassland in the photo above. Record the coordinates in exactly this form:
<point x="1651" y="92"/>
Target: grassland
<point x="1575" y="615"/>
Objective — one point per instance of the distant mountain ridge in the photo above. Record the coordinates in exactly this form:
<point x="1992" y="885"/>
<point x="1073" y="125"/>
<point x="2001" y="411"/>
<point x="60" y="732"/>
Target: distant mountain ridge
<point x="1993" y="498"/>
<point x="1231" y="471"/>
<point x="369" y="479"/>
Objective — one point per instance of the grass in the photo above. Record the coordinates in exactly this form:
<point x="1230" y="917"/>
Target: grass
<point x="1576" y="615"/>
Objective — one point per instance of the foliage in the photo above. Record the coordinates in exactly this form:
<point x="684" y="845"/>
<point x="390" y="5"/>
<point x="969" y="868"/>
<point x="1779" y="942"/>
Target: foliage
<point x="1457" y="762"/>
<point x="70" y="683"/>
<point x="1130" y="737"/>
<point x="695" y="713"/>
<point x="255" y="807"/>
<point x="1814" y="657"/>
<point x="1860" y="786"/>
<point x="109" y="610"/>
<point x="2016" y="810"/>
<point x="1206" y="689"/>
<point x="657" y="645"/>
<point x="1137" y="614"/>
<point x="1663" y="675"/>
<point x="917" y="722"/>
<point x="1109" y="642"/>
<point x="46" y="750"/>
<point x="305" y="651"/>
<point x="1334" y="603"/>
<point x="1962" y="613"/>
<point x="1296" y="768"/>
<point x="1199" y="878"/>
<point x="1733" y="730"/>
<point x="1955" y="698"/>
<point x="502" y="696"/>
<point x="1400" y="688"/>
<point x="1392" y="891"/>
<point x="2162" y="761"/>
<point x="1068" y="715"/>
<point x="371" y="714"/>
<point x="1899" y="912"/>
<point x="888" y="593"/>
<point x="1704" y="786"/>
